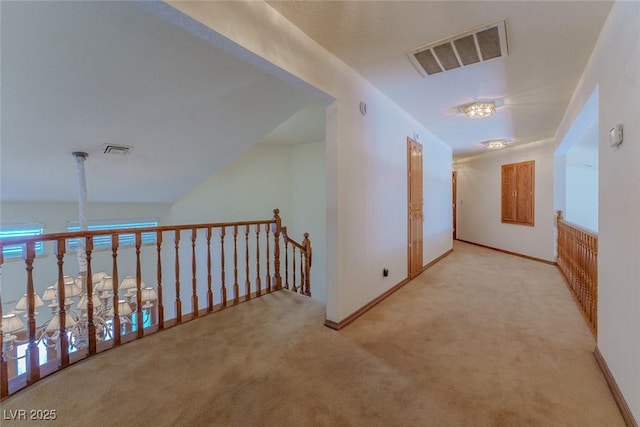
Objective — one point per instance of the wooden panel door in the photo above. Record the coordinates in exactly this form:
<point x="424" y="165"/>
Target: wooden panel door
<point x="518" y="193"/>
<point x="415" y="208"/>
<point x="509" y="193"/>
<point x="524" y="192"/>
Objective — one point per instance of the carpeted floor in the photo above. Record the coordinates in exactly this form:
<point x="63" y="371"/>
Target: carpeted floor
<point x="479" y="339"/>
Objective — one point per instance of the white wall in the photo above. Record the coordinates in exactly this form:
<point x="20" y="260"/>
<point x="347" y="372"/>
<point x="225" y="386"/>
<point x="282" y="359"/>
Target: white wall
<point x="365" y="156"/>
<point x="288" y="177"/>
<point x="55" y="216"/>
<point x="576" y="179"/>
<point x="479" y="201"/>
<point x="308" y="179"/>
<point x="614" y="66"/>
<point x="582" y="195"/>
<point x="248" y="188"/>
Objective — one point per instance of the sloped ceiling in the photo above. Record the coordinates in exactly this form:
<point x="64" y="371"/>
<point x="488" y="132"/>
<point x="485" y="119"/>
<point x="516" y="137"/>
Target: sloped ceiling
<point x="78" y="75"/>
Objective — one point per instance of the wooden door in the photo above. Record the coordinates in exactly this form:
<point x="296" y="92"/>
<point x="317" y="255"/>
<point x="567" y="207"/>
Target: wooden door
<point x="518" y="181"/>
<point x="454" y="183"/>
<point x="524" y="192"/>
<point x="415" y="208"/>
<point x="508" y="193"/>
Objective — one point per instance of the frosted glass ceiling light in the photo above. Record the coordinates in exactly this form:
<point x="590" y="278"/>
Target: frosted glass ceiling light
<point x="479" y="110"/>
<point x="495" y="144"/>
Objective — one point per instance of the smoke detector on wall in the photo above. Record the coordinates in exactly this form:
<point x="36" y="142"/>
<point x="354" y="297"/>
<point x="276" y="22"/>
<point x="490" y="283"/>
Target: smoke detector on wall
<point x="471" y="47"/>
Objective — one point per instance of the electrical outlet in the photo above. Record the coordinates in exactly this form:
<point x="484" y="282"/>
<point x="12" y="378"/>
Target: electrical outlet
<point x="385" y="272"/>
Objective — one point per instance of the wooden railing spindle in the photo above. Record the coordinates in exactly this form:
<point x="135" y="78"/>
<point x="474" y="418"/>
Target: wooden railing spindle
<point x="268" y="260"/>
<point x="139" y="315"/>
<point x="302" y="278"/>
<point x="247" y="283"/>
<point x="209" y="291"/>
<point x="60" y="249"/>
<point x="294" y="288"/>
<point x="276" y="248"/>
<point x="258" y="282"/>
<point x="286" y="259"/>
<point x="307" y="265"/>
<point x="224" y="289"/>
<point x="194" y="281"/>
<point x="236" y="288"/>
<point x="33" y="365"/>
<point x="117" y="332"/>
<point x="91" y="327"/>
<point x="178" y="302"/>
<point x="159" y="275"/>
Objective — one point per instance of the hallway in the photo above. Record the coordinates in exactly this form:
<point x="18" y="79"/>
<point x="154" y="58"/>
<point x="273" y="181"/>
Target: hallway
<point x="479" y="339"/>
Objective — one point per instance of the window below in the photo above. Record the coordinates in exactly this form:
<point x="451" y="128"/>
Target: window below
<point x="20" y="230"/>
<point x="104" y="241"/>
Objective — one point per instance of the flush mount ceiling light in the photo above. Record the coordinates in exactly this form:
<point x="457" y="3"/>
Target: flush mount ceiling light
<point x="479" y="110"/>
<point x="495" y="144"/>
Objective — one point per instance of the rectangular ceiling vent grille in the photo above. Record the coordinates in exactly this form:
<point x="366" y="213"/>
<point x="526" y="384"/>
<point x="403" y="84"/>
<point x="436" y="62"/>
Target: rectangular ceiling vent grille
<point x="478" y="45"/>
<point x="116" y="150"/>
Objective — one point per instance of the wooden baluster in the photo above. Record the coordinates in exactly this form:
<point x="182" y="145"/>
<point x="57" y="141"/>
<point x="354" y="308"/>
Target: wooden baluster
<point x="294" y="288"/>
<point x="286" y="259"/>
<point x="268" y="260"/>
<point x="60" y="249"/>
<point x="307" y="265"/>
<point x="224" y="289"/>
<point x="194" y="281"/>
<point x="139" y="315"/>
<point x="4" y="371"/>
<point x="595" y="281"/>
<point x="159" y="271"/>
<point x="178" y="302"/>
<point x="236" y="288"/>
<point x="276" y="248"/>
<point x="209" y="291"/>
<point x="117" y="331"/>
<point x="91" y="327"/>
<point x="33" y="357"/>
<point x="247" y="283"/>
<point x="258" y="282"/>
<point x="302" y="278"/>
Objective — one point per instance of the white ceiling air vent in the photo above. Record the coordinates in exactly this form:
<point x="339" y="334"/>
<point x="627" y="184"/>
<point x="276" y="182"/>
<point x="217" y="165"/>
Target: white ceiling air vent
<point x="478" y="45"/>
<point x="116" y="150"/>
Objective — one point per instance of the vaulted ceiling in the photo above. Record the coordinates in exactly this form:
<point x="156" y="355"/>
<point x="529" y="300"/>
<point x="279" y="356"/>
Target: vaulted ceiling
<point x="79" y="75"/>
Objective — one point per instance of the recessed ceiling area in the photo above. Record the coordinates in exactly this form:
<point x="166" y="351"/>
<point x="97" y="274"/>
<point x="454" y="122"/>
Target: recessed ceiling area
<point x="77" y="76"/>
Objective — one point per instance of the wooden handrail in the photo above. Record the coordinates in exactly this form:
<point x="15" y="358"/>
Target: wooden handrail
<point x="578" y="262"/>
<point x="103" y="325"/>
<point x="78" y="234"/>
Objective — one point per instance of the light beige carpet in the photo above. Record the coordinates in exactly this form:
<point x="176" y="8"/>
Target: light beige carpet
<point x="480" y="339"/>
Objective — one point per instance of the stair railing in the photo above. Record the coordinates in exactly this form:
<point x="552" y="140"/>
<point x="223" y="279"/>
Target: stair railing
<point x="214" y="265"/>
<point x="578" y="262"/>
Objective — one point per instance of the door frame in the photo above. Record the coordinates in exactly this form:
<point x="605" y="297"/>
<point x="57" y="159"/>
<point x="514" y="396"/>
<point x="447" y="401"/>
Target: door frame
<point x="454" y="184"/>
<point x="413" y="270"/>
